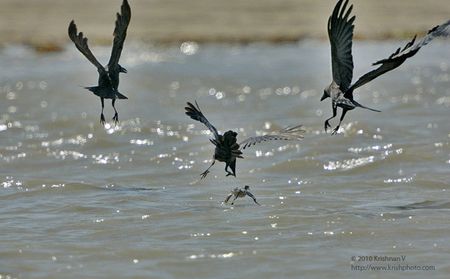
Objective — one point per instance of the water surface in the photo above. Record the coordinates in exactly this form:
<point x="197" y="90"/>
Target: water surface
<point x="82" y="201"/>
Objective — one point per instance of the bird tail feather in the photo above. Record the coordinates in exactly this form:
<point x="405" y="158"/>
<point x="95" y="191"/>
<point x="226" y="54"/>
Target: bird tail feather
<point x="121" y="96"/>
<point x="105" y="93"/>
<point x="96" y="90"/>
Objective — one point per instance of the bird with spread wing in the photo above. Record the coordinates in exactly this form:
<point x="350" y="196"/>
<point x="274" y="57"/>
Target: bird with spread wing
<point x="108" y="80"/>
<point x="227" y="149"/>
<point x="240" y="193"/>
<point x="340" y="33"/>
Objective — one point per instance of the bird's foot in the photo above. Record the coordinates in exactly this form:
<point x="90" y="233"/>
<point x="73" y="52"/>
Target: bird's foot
<point x="204" y="174"/>
<point x="230" y="173"/>
<point x="102" y="119"/>
<point x="116" y="118"/>
<point x="327" y="125"/>
<point x="335" y="130"/>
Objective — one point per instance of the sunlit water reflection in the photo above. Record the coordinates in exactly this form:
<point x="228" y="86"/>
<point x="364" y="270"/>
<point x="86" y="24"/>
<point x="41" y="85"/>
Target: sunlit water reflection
<point x="79" y="199"/>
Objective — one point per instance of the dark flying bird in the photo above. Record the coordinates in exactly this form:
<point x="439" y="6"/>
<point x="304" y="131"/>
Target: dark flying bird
<point x="108" y="80"/>
<point x="240" y="193"/>
<point x="340" y="33"/>
<point x="227" y="148"/>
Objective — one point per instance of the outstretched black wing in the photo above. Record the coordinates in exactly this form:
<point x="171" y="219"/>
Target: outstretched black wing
<point x="81" y="43"/>
<point x="400" y="56"/>
<point x="120" y="33"/>
<point x="196" y="114"/>
<point x="289" y="133"/>
<point x="340" y="33"/>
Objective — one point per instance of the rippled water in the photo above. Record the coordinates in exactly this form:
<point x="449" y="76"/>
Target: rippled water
<point x="81" y="201"/>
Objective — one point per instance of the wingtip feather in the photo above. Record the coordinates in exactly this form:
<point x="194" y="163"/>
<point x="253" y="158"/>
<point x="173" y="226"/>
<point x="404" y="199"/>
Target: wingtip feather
<point x="72" y="28"/>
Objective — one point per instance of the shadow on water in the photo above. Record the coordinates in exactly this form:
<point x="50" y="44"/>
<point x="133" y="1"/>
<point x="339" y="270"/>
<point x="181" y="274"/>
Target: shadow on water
<point x="424" y="205"/>
<point x="131" y="189"/>
<point x="396" y="211"/>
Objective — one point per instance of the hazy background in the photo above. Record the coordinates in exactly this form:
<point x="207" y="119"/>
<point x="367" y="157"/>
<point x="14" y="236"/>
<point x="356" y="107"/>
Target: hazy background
<point x="43" y="23"/>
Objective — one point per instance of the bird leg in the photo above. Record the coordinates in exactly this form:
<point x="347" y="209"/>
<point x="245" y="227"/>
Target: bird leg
<point x="327" y="124"/>
<point x="232" y="166"/>
<point x="205" y="173"/>
<point x="228" y="172"/>
<point x="116" y="115"/>
<point x="344" y="111"/>
<point x="102" y="116"/>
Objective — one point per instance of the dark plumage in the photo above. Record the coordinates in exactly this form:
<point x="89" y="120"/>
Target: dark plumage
<point x="340" y="33"/>
<point x="227" y="149"/>
<point x="108" y="80"/>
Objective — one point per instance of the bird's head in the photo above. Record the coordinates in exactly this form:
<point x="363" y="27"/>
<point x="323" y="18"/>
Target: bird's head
<point x="246" y="187"/>
<point x="122" y="70"/>
<point x="325" y="95"/>
<point x="230" y="137"/>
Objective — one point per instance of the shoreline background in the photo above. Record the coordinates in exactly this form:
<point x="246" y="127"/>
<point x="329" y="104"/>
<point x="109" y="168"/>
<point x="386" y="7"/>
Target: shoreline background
<point x="43" y="23"/>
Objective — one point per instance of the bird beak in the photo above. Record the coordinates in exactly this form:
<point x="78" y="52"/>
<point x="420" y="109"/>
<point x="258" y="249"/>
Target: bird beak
<point x="324" y="96"/>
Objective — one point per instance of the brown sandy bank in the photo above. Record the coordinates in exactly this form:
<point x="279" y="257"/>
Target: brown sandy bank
<point x="43" y="23"/>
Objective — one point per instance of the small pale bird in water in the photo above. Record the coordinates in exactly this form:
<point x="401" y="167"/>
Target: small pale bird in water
<point x="227" y="149"/>
<point x="108" y="80"/>
<point x="340" y="33"/>
<point x="240" y="193"/>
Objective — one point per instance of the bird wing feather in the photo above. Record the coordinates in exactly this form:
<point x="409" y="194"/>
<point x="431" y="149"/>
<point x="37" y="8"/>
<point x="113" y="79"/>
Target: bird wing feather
<point x="196" y="114"/>
<point x="289" y="133"/>
<point x="81" y="43"/>
<point x="340" y="33"/>
<point x="399" y="56"/>
<point x="120" y="33"/>
<point x="228" y="197"/>
<point x="251" y="196"/>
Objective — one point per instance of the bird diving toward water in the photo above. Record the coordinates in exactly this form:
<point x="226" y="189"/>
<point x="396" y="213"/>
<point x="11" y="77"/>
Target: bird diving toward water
<point x="227" y="149"/>
<point x="108" y="80"/>
<point x="340" y="33"/>
<point x="240" y="193"/>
